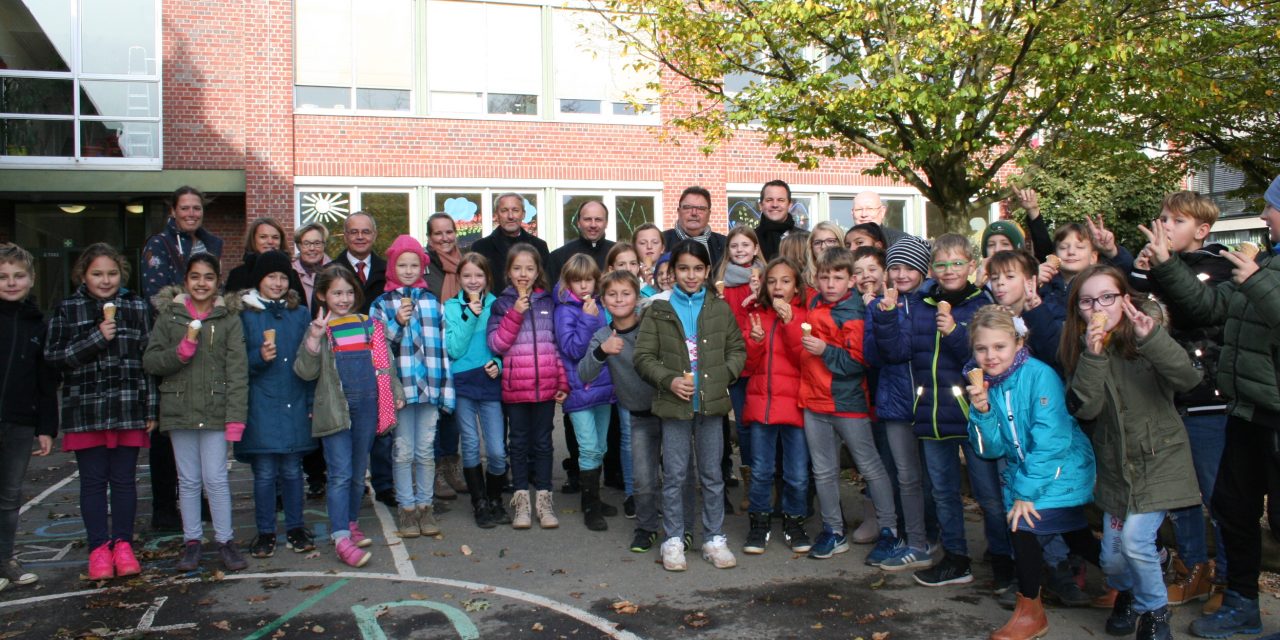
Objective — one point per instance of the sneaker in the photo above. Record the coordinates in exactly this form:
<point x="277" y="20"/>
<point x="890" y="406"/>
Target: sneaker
<point x="520" y="505"/>
<point x="758" y="535"/>
<point x="906" y="558"/>
<point x="350" y="554"/>
<point x="885" y="547"/>
<point x="828" y="544"/>
<point x="673" y="555"/>
<point x="190" y="560"/>
<point x="716" y="551"/>
<point x="1123" y="619"/>
<point x="264" y="546"/>
<point x="1009" y="599"/>
<point x="1237" y="614"/>
<point x="1064" y="588"/>
<point x="629" y="507"/>
<point x="300" y="540"/>
<point x="953" y="569"/>
<point x="427" y="523"/>
<point x="231" y="557"/>
<point x="102" y="564"/>
<point x="546" y="511"/>
<point x="13" y="572"/>
<point x="642" y="541"/>
<point x="793" y="532"/>
<point x="357" y="536"/>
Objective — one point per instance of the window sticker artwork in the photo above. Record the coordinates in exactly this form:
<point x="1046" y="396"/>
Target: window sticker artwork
<point x="325" y="207"/>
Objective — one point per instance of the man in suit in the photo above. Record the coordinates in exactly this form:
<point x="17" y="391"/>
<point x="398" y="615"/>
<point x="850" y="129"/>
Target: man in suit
<point x="693" y="222"/>
<point x="592" y="221"/>
<point x="508" y="214"/>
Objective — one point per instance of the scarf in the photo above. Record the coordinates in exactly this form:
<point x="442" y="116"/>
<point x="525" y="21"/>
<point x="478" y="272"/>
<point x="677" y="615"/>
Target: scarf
<point x="1020" y="358"/>
<point x="953" y="297"/>
<point x="703" y="239"/>
<point x="735" y="275"/>
<point x="449" y="267"/>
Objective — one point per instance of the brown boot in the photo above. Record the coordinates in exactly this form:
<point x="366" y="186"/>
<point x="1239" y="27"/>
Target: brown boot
<point x="1194" y="585"/>
<point x="1028" y="621"/>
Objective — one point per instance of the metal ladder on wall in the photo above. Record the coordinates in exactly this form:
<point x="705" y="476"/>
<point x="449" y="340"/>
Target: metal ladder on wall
<point x="139" y="137"/>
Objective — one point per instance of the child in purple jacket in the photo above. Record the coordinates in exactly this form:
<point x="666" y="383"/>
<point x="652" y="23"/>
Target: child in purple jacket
<point x="522" y="330"/>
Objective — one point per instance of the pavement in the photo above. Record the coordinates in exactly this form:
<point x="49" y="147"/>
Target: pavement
<point x="498" y="583"/>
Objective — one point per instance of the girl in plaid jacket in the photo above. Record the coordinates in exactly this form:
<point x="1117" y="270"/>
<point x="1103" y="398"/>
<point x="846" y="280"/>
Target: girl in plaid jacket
<point x="413" y="321"/>
<point x="108" y="403"/>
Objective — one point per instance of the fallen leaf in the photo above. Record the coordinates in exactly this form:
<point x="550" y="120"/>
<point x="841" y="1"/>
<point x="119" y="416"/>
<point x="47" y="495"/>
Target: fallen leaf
<point x="441" y="554"/>
<point x="317" y="629"/>
<point x="576" y="595"/>
<point x="878" y="583"/>
<point x="311" y="556"/>
<point x="514" y="567"/>
<point x="417" y="596"/>
<point x="218" y="575"/>
<point x="625" y="607"/>
<point x="557" y="572"/>
<point x="835" y="596"/>
<point x="466" y="550"/>
<point x="537" y="626"/>
<point x="816" y="625"/>
<point x="222" y="624"/>
<point x="880" y="635"/>
<point x="207" y="602"/>
<point x="475" y="604"/>
<point x="309" y="587"/>
<point x="697" y="620"/>
<point x="262" y="598"/>
<point x="278" y="634"/>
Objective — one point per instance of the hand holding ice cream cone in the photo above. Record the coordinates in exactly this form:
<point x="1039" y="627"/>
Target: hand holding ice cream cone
<point x="193" y="330"/>
<point x="720" y="288"/>
<point x="806" y="329"/>
<point x="109" y="310"/>
<point x="977" y="391"/>
<point x="269" y="336"/>
<point x="946" y="324"/>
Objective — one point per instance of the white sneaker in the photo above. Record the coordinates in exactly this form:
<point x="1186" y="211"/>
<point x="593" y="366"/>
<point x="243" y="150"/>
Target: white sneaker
<point x="673" y="555"/>
<point x="716" y="551"/>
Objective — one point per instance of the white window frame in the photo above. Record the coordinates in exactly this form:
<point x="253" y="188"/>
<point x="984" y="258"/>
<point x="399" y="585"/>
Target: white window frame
<point x="353" y="88"/>
<point x="416" y="220"/>
<point x="913" y="214"/>
<point x="86" y="162"/>
<point x="610" y="199"/>
<point x="812" y="196"/>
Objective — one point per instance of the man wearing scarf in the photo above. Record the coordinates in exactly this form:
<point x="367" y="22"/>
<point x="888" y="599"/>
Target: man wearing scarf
<point x="693" y="222"/>
<point x="775" y="217"/>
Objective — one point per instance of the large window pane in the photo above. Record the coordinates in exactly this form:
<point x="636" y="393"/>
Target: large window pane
<point x="37" y="137"/>
<point x="118" y="37"/>
<point x="591" y="65"/>
<point x="120" y="139"/>
<point x="531" y="201"/>
<point x="36" y="96"/>
<point x="384" y="44"/>
<point x="569" y="212"/>
<point x="842" y="211"/>
<point x="322" y="43"/>
<point x="525" y="105"/>
<point x="509" y="62"/>
<point x="464" y="208"/>
<point x="391" y="211"/>
<point x="120" y="99"/>
<point x="631" y="212"/>
<point x="321" y="97"/>
<point x="35" y="35"/>
<point x="329" y="208"/>
<point x="744" y="209"/>
<point x="382" y="99"/>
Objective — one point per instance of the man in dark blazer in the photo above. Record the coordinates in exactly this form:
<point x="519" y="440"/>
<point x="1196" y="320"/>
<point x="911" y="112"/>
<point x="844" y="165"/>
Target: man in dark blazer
<point x="508" y="215"/>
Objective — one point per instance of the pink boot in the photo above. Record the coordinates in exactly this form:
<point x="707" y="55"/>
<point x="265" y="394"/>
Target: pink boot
<point x="349" y="553"/>
<point x="100" y="563"/>
<point x="357" y="536"/>
<point x="126" y="563"/>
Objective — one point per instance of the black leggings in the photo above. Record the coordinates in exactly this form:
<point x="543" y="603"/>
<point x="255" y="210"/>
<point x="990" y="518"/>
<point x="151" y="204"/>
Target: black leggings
<point x="1028" y="556"/>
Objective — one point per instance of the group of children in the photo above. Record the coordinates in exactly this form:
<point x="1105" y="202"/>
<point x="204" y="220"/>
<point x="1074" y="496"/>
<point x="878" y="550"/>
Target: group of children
<point x="922" y="360"/>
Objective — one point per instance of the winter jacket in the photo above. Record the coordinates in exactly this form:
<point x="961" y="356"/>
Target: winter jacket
<point x="662" y="355"/>
<point x="28" y="383"/>
<point x="733" y="296"/>
<point x="421" y="360"/>
<point x="574" y="330"/>
<point x="467" y="341"/>
<point x="531" y="367"/>
<point x="1202" y="343"/>
<point x="835" y="382"/>
<point x="936" y="360"/>
<point x="495" y="247"/>
<point x="329" y="411"/>
<point x="773" y="392"/>
<point x="1250" y="317"/>
<point x="104" y="386"/>
<point x="164" y="257"/>
<point x="279" y="401"/>
<point x="1143" y="454"/>
<point x="634" y="394"/>
<point x="211" y="389"/>
<point x="1049" y="461"/>
<point x="895" y="392"/>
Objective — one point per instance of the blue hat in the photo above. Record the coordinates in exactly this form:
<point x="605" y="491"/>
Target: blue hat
<point x="1273" y="193"/>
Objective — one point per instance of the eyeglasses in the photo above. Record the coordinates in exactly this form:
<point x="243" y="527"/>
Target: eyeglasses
<point x="312" y="244"/>
<point x="954" y="265"/>
<point x="829" y="242"/>
<point x="1104" y="300"/>
<point x="694" y="207"/>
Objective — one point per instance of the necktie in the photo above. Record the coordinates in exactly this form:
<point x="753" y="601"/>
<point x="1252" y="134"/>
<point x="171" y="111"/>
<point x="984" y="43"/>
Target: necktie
<point x="360" y="271"/>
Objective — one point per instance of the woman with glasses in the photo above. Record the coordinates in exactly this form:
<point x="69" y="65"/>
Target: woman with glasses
<point x="824" y="236"/>
<point x="310" y="241"/>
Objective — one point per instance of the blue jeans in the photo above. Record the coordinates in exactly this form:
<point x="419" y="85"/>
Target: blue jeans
<point x="942" y="460"/>
<point x="347" y="452"/>
<point x="795" y="467"/>
<point x="1130" y="560"/>
<point x="530" y="445"/>
<point x="591" y="426"/>
<point x="267" y="469"/>
<point x="413" y="460"/>
<point x="1208" y="435"/>
<point x="482" y="420"/>
<point x="448" y="434"/>
<point x="738" y="398"/>
<point x="681" y="441"/>
<point x="624" y="451"/>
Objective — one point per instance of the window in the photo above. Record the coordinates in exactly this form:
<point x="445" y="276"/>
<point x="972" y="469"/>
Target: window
<point x="354" y="56"/>
<point x="466" y="212"/>
<point x="484" y="58"/>
<point x="745" y="209"/>
<point x="626" y="212"/>
<point x="894" y="217"/>
<point x="595" y="76"/>
<point x="80" y="83"/>
<point x="331" y="207"/>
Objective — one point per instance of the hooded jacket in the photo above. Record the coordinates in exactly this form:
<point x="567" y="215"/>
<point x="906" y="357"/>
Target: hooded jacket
<point x="531" y="367"/>
<point x="835" y="383"/>
<point x="773" y="391"/>
<point x="895" y="388"/>
<point x="574" y="330"/>
<point x="418" y="346"/>
<point x="279" y="401"/>
<point x="28" y="383"/>
<point x="164" y="257"/>
<point x="467" y="341"/>
<point x="662" y="354"/>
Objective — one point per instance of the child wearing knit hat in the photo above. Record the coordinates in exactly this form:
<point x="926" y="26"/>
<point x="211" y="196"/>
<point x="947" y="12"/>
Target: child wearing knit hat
<point x="1002" y="235"/>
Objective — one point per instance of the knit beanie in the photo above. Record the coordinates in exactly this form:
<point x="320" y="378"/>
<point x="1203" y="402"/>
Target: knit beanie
<point x="1006" y="228"/>
<point x="911" y="251"/>
<point x="269" y="262"/>
<point x="1272" y="195"/>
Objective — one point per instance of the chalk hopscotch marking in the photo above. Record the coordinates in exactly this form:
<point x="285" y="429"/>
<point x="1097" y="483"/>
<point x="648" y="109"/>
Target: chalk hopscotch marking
<point x="370" y="629"/>
<point x="47" y="492"/>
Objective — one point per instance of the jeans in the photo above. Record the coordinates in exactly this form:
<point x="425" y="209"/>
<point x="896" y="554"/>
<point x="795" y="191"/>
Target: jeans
<point x="15" y="454"/>
<point x="681" y="441"/>
<point x="101" y="467"/>
<point x="1130" y="560"/>
<point x="530" y="443"/>
<point x="795" y="467"/>
<point x="1207" y="435"/>
<point x="448" y="435"/>
<point x="646" y="452"/>
<point x="201" y="456"/>
<point x="821" y="431"/>
<point x="482" y="420"/>
<point x="624" y="450"/>
<point x="347" y="452"/>
<point x="738" y="398"/>
<point x="1249" y="471"/>
<point x="904" y="448"/>
<point x="942" y="460"/>
<point x="413" y="461"/>
<point x="591" y="426"/>
<point x="267" y="469"/>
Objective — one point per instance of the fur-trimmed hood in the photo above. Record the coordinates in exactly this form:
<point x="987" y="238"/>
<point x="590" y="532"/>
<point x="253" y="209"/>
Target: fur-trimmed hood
<point x="251" y="299"/>
<point x="173" y="299"/>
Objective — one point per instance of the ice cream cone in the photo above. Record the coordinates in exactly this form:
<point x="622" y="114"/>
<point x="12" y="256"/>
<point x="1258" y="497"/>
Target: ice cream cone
<point x="806" y="328"/>
<point x="1247" y="249"/>
<point x="193" y="330"/>
<point x="975" y="377"/>
<point x="1054" y="261"/>
<point x="688" y="376"/>
<point x="891" y="297"/>
<point x="473" y="296"/>
<point x="944" y="307"/>
<point x="269" y="336"/>
<point x="109" y="311"/>
<point x="1098" y="320"/>
<point x="720" y="287"/>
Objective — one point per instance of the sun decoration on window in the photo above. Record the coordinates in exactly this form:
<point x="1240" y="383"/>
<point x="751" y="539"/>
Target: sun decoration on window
<point x="325" y="208"/>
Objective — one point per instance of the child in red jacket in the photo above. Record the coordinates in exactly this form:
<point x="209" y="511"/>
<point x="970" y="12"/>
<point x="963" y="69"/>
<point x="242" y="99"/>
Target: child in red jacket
<point x="773" y="407"/>
<point x="737" y="280"/>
